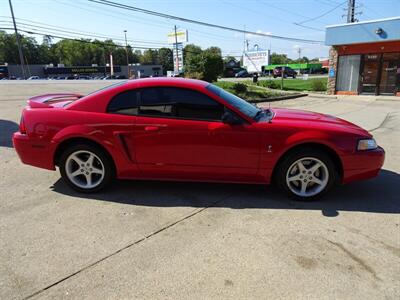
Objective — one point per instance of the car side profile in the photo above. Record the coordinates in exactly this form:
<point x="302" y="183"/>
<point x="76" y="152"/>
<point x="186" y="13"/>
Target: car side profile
<point x="190" y="130"/>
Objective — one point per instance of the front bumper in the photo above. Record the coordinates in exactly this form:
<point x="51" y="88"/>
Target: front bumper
<point x="363" y="165"/>
<point x="34" y="153"/>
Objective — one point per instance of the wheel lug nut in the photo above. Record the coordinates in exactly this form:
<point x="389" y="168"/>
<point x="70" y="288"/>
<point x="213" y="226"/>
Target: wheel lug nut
<point x="87" y="173"/>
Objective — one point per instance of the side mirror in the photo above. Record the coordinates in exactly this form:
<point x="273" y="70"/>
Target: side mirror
<point x="230" y="118"/>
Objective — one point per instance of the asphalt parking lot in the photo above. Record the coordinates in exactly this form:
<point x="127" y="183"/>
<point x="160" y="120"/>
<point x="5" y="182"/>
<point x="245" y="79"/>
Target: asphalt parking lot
<point x="163" y="240"/>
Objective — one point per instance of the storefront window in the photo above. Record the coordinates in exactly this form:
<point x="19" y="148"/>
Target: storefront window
<point x="348" y="73"/>
<point x="390" y="73"/>
<point x="370" y="73"/>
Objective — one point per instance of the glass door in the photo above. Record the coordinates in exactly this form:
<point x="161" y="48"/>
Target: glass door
<point x="369" y="74"/>
<point x="389" y="74"/>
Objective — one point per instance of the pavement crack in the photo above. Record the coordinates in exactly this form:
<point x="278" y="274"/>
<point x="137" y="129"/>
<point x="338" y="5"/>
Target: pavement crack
<point x="152" y="234"/>
<point x="383" y="122"/>
<point x="355" y="258"/>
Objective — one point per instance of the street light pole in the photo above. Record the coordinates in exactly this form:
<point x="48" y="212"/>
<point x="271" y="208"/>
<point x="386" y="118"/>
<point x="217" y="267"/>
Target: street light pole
<point x="21" y="56"/>
<point x="127" y="56"/>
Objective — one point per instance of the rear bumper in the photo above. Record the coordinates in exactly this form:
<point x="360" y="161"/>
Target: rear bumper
<point x="34" y="153"/>
<point x="363" y="165"/>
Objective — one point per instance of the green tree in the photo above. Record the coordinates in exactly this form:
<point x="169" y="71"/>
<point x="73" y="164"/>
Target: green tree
<point x="193" y="61"/>
<point x="213" y="64"/>
<point x="165" y="58"/>
<point x="278" y="59"/>
<point x="149" y="57"/>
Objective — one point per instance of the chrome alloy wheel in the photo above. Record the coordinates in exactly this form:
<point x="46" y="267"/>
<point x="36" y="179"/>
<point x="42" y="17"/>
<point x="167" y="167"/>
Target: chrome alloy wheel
<point x="84" y="169"/>
<point x="307" y="177"/>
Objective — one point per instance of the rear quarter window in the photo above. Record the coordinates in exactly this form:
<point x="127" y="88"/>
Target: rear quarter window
<point x="125" y="103"/>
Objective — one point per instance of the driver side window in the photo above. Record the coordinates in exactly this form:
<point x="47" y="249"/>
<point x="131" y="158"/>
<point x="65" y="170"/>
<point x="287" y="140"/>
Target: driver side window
<point x="179" y="103"/>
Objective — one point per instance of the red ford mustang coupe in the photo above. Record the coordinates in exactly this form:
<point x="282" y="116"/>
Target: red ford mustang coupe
<point x="190" y="130"/>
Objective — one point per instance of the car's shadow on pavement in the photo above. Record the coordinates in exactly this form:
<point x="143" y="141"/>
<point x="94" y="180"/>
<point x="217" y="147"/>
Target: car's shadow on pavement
<point x="7" y="128"/>
<point x="379" y="195"/>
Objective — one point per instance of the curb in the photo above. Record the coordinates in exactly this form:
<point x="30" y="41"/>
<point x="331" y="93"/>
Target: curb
<point x="323" y="96"/>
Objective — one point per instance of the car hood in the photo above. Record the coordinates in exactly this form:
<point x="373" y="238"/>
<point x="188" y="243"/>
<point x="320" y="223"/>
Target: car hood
<point x="304" y="118"/>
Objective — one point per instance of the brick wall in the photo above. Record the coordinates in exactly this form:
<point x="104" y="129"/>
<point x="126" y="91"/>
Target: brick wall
<point x="333" y="61"/>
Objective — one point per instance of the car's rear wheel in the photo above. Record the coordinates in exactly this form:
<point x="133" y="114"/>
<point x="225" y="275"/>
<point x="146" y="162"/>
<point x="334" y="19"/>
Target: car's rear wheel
<point x="86" y="168"/>
<point x="306" y="174"/>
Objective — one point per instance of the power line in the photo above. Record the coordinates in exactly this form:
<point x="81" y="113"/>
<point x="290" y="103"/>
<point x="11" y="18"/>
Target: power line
<point x="322" y="15"/>
<point x="275" y="17"/>
<point x="93" y="42"/>
<point x="84" y="33"/>
<point x="93" y="10"/>
<point x="79" y="40"/>
<point x="167" y="16"/>
<point x="286" y="10"/>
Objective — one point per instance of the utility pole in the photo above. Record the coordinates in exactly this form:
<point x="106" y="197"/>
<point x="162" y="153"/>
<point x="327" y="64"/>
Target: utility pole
<point x="21" y="56"/>
<point x="127" y="57"/>
<point x="299" y="51"/>
<point x="176" y="50"/>
<point x="111" y="66"/>
<point x="350" y="11"/>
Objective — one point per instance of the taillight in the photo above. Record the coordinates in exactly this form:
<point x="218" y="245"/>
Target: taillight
<point x="22" y="127"/>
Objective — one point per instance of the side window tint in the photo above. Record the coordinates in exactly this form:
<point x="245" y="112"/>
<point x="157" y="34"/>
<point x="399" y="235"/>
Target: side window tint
<point x="194" y="105"/>
<point x="154" y="103"/>
<point x="179" y="103"/>
<point x="125" y="103"/>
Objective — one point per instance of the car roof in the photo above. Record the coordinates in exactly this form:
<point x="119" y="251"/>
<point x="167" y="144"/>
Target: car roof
<point x="165" y="81"/>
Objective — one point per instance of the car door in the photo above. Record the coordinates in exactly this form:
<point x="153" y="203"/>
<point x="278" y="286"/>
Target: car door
<point x="179" y="134"/>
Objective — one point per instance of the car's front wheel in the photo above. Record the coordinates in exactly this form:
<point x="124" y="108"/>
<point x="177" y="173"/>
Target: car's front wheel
<point x="306" y="174"/>
<point x="86" y="168"/>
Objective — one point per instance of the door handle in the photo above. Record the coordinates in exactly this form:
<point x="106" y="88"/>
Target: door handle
<point x="152" y="128"/>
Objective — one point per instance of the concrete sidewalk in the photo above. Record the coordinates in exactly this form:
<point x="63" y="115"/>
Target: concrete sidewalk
<point x="366" y="112"/>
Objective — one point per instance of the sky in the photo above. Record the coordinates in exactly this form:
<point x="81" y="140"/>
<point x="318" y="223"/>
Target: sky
<point x="267" y="16"/>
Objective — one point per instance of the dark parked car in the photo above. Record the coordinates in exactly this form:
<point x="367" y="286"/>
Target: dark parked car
<point x="288" y="72"/>
<point x="242" y="74"/>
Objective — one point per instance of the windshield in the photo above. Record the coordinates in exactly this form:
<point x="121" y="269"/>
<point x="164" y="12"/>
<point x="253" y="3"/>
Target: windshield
<point x="242" y="105"/>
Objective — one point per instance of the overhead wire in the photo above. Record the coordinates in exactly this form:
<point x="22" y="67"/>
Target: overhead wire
<point x="202" y="23"/>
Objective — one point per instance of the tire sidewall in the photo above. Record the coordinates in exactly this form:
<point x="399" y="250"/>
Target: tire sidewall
<point x="108" y="166"/>
<point x="291" y="158"/>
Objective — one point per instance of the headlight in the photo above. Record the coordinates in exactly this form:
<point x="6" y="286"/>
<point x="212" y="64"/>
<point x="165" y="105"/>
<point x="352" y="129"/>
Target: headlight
<point x="366" y="144"/>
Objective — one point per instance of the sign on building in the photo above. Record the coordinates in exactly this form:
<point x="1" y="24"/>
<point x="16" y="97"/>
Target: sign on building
<point x="253" y="60"/>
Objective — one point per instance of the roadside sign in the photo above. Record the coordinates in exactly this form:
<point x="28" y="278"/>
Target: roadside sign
<point x="181" y="37"/>
<point x="254" y="60"/>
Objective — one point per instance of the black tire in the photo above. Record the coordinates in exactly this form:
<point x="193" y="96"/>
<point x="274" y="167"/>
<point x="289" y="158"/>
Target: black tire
<point x="109" y="170"/>
<point x="294" y="76"/>
<point x="306" y="152"/>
